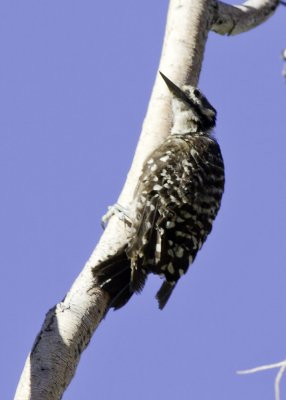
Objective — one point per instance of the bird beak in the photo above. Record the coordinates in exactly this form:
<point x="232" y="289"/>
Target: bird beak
<point x="175" y="90"/>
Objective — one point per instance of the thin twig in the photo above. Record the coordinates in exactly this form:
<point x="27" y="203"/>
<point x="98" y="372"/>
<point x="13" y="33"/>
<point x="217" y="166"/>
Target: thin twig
<point x="262" y="368"/>
<point x="277" y="381"/>
<point x="282" y="368"/>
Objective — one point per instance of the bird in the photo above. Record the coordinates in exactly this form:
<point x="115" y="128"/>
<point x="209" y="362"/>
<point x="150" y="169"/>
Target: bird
<point x="175" y="203"/>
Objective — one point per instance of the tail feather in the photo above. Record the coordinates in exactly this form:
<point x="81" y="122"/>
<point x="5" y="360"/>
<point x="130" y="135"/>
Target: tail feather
<point x="138" y="278"/>
<point x="141" y="250"/>
<point x="113" y="275"/>
<point x="121" y="297"/>
<point x="164" y="293"/>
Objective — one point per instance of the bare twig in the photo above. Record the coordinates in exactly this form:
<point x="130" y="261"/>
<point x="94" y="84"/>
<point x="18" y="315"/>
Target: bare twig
<point x="283" y="54"/>
<point x="282" y="367"/>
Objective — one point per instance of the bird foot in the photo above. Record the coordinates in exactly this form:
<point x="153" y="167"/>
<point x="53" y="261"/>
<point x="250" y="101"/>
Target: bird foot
<point x="118" y="210"/>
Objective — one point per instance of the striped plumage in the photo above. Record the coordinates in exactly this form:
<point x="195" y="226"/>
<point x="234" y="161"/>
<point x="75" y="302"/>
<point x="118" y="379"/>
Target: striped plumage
<point x="178" y="197"/>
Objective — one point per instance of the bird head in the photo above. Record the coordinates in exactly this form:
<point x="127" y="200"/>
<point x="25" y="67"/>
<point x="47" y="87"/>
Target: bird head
<point x="192" y="111"/>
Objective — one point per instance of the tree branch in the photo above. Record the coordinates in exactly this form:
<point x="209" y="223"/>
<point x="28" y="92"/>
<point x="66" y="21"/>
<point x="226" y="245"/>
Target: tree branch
<point x="69" y="326"/>
<point x="282" y="367"/>
<point x="231" y="20"/>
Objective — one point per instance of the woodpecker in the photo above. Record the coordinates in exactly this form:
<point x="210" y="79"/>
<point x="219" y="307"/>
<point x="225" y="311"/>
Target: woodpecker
<point x="176" y="202"/>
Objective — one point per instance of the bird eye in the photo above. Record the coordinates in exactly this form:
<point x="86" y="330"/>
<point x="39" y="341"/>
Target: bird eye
<point x="197" y="93"/>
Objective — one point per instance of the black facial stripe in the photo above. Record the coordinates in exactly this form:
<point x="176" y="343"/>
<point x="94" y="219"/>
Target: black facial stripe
<point x="205" y="121"/>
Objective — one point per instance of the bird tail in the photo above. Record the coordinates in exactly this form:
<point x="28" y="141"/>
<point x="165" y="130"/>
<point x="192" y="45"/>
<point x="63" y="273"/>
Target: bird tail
<point x="164" y="293"/>
<point x="113" y="276"/>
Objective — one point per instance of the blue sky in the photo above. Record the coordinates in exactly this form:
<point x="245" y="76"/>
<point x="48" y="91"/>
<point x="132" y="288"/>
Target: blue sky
<point x="75" y="79"/>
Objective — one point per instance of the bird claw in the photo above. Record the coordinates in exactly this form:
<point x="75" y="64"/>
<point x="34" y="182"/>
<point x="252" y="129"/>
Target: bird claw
<point x="116" y="209"/>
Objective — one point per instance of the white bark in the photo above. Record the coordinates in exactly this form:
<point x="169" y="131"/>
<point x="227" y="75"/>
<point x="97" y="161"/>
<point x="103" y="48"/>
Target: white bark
<point x="69" y="326"/>
<point x="231" y="20"/>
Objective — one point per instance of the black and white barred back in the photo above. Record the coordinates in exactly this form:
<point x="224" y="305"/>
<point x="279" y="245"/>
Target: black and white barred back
<point x="178" y="197"/>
